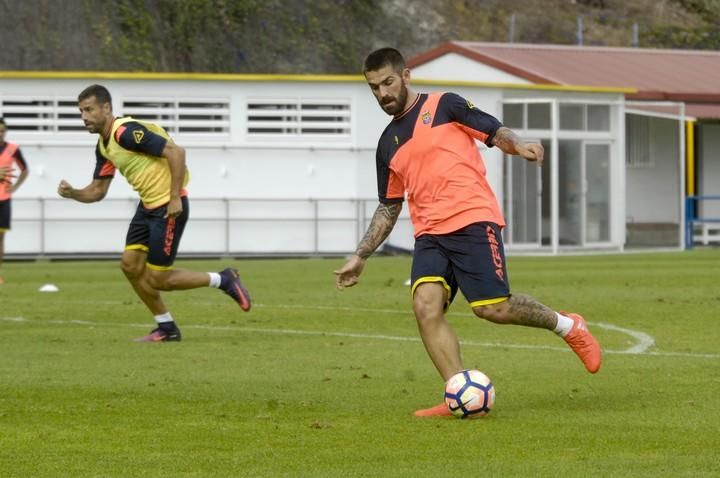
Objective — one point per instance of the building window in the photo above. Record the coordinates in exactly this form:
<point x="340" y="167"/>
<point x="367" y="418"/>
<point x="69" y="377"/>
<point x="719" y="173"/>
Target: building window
<point x="539" y="116"/>
<point x="584" y="117"/>
<point x="572" y="117"/>
<point x="598" y="117"/>
<point x="298" y="119"/>
<point x="514" y="115"/>
<point x="42" y="115"/>
<point x="637" y="145"/>
<point x="201" y="116"/>
<point x="61" y="115"/>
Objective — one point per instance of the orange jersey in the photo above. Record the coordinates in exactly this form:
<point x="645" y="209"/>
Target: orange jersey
<point x="9" y="154"/>
<point x="429" y="154"/>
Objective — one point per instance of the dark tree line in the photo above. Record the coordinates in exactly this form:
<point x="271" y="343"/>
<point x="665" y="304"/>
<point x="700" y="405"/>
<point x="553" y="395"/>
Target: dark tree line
<point x="319" y="36"/>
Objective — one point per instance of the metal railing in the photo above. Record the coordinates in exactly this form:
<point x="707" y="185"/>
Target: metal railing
<point x="55" y="227"/>
<point x="700" y="228"/>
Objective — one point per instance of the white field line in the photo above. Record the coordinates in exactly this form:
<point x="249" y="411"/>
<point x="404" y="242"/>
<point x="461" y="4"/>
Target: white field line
<point x="644" y="341"/>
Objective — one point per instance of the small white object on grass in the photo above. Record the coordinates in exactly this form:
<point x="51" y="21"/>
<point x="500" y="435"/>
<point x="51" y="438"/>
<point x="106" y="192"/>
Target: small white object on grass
<point x="48" y="288"/>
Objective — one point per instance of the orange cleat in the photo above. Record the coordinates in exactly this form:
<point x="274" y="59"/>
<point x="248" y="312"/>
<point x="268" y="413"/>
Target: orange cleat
<point x="583" y="343"/>
<point x="436" y="411"/>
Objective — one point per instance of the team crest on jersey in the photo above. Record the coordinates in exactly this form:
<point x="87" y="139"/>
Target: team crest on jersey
<point x="426" y="118"/>
<point x="138" y="135"/>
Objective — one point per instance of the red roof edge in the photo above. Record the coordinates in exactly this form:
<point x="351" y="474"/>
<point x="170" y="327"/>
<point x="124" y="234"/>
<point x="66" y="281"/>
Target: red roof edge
<point x="678" y="96"/>
<point x="453" y="47"/>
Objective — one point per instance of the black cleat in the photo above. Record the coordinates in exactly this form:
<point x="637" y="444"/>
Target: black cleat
<point x="232" y="286"/>
<point x="160" y="335"/>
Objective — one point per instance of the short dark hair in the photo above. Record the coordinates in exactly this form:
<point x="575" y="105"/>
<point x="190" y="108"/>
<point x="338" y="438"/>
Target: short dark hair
<point x="98" y="91"/>
<point x="2" y="121"/>
<point x="382" y="58"/>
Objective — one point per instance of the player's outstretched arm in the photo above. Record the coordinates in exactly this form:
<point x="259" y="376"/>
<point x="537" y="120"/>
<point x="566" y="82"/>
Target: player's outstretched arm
<point x="510" y="143"/>
<point x="93" y="192"/>
<point x="381" y="225"/>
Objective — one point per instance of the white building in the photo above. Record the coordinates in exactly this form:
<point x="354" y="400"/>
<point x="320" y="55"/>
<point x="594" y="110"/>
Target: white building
<point x="672" y="135"/>
<point x="286" y="164"/>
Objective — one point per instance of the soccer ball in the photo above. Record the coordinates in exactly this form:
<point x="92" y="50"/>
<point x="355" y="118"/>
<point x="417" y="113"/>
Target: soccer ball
<point x="469" y="394"/>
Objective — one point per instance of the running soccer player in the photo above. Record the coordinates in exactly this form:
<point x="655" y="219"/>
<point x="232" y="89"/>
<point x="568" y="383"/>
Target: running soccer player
<point x="428" y="154"/>
<point x="155" y="167"/>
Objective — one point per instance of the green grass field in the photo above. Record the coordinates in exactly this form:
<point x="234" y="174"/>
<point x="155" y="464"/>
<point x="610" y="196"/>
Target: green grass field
<point x="315" y="382"/>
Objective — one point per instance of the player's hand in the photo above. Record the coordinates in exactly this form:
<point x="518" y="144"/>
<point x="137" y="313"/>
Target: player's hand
<point x="347" y="275"/>
<point x="6" y="174"/>
<point x="65" y="189"/>
<point x="174" y="207"/>
<point x="533" y="152"/>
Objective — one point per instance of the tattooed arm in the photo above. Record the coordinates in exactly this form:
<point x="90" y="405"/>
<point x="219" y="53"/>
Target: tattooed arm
<point x="382" y="223"/>
<point x="510" y="143"/>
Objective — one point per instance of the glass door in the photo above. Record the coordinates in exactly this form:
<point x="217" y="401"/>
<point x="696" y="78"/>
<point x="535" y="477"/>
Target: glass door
<point x="527" y="200"/>
<point x="523" y="201"/>
<point x="570" y="193"/>
<point x="597" y="194"/>
<point x="584" y="192"/>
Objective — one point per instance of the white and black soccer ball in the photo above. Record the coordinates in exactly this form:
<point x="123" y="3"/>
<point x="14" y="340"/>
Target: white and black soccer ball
<point x="469" y="394"/>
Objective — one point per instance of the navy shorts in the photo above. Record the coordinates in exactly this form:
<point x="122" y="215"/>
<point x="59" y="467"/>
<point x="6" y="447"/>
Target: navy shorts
<point x="5" y="214"/>
<point x="157" y="235"/>
<point x="471" y="259"/>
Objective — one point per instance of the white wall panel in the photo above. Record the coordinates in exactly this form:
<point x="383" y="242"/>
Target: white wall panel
<point x="238" y="181"/>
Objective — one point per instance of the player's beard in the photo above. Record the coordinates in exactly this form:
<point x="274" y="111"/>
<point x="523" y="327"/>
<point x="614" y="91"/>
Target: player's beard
<point x="397" y="104"/>
<point x="92" y="127"/>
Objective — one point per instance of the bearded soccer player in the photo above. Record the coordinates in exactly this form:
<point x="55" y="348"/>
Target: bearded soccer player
<point x="428" y="154"/>
<point x="10" y="156"/>
<point x="155" y="167"/>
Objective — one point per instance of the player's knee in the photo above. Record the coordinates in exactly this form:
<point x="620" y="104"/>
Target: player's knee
<point x="160" y="280"/>
<point x="497" y="313"/>
<point x="427" y="308"/>
<point x="132" y="269"/>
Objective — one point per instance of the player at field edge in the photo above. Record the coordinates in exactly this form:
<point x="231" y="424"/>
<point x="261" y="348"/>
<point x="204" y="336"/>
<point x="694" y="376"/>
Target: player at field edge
<point x="428" y="154"/>
<point x="154" y="165"/>
<point x="10" y="156"/>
